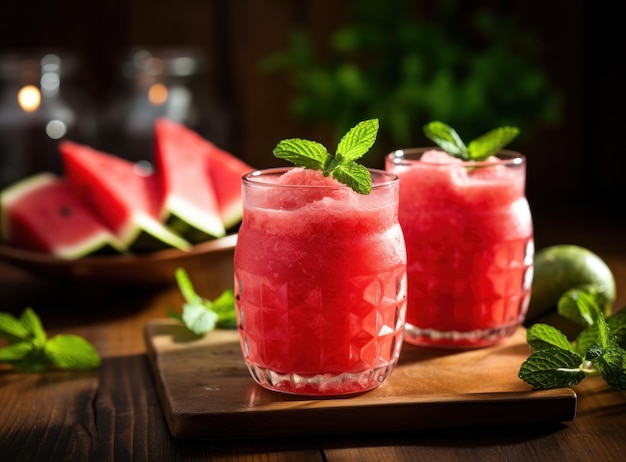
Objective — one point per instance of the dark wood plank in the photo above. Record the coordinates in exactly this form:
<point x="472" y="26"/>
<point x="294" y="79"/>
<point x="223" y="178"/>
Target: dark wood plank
<point x="113" y="413"/>
<point x="207" y="392"/>
<point x="597" y="433"/>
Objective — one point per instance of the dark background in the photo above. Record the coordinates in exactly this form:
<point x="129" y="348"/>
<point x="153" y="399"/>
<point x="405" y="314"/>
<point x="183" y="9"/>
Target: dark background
<point x="576" y="163"/>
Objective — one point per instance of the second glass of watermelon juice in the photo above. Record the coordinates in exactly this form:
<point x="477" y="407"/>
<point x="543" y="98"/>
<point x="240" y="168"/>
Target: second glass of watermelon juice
<point x="469" y="236"/>
<point x="320" y="282"/>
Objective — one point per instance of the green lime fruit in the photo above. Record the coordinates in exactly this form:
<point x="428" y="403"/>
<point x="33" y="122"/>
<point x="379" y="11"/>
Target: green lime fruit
<point x="560" y="268"/>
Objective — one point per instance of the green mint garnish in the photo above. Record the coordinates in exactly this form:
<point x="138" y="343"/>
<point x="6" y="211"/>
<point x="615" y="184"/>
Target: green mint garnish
<point x="478" y="149"/>
<point x="597" y="350"/>
<point x="201" y="316"/>
<point x="30" y="350"/>
<point x="342" y="166"/>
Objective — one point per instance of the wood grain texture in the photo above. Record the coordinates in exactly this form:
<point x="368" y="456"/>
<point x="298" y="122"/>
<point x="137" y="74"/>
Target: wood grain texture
<point x="115" y="413"/>
<point x="206" y="391"/>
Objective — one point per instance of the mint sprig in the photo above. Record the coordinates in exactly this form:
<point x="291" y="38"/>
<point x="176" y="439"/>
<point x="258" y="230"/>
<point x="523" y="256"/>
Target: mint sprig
<point x="30" y="350"/>
<point x="342" y="166"/>
<point x="597" y="350"/>
<point x="478" y="149"/>
<point x="200" y="315"/>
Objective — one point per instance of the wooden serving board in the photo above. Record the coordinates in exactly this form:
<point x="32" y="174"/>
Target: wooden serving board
<point x="207" y="392"/>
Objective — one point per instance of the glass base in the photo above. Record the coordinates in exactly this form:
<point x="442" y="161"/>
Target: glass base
<point x="478" y="338"/>
<point x="346" y="383"/>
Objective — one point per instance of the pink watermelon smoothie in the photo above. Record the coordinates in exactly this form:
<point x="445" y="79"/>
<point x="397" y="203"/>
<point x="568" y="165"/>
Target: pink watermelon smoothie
<point x="469" y="236"/>
<point x="320" y="282"/>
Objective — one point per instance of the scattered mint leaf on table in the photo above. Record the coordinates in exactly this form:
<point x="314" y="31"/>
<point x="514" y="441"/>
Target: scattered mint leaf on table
<point x="200" y="315"/>
<point x="30" y="350"/>
<point x="71" y="352"/>
<point x="478" y="149"/>
<point x="543" y="336"/>
<point x="342" y="166"/>
<point x="597" y="350"/>
<point x="552" y="368"/>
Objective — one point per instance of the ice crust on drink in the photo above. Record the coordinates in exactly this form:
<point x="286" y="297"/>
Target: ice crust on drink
<point x="488" y="182"/>
<point x="320" y="191"/>
<point x="304" y="177"/>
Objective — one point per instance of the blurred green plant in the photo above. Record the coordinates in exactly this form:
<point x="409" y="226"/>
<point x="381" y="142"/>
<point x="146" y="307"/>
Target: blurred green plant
<point x="473" y="73"/>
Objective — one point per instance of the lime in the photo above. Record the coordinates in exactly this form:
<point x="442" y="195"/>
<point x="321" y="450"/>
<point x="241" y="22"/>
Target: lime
<point x="559" y="268"/>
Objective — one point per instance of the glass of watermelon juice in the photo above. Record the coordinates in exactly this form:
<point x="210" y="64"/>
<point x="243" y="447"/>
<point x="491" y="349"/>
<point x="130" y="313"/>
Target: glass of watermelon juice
<point x="469" y="237"/>
<point x="320" y="282"/>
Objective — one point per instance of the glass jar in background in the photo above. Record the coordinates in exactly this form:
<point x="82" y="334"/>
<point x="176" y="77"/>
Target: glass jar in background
<point x="167" y="82"/>
<point x="40" y="104"/>
<point x="469" y="237"/>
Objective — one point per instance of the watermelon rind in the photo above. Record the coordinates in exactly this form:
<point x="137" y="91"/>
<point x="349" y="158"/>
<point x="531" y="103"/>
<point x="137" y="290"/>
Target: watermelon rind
<point x="187" y="231"/>
<point x="37" y="230"/>
<point x="191" y="222"/>
<point x="149" y="235"/>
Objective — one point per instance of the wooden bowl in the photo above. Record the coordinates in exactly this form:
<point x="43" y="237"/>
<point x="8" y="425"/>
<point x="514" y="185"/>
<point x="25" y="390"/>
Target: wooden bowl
<point x="211" y="259"/>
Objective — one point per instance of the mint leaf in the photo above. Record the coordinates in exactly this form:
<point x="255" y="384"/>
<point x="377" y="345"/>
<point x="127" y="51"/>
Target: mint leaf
<point x="610" y="363"/>
<point x="12" y="329"/>
<point x="35" y="361"/>
<point x="616" y="325"/>
<point x="186" y="287"/>
<point x="586" y="338"/>
<point x="303" y="153"/>
<point x="173" y="314"/>
<point x="358" y="141"/>
<point x="478" y="149"/>
<point x="491" y="142"/>
<point x="223" y="306"/>
<point x="354" y="175"/>
<point x="341" y="166"/>
<point x="603" y="339"/>
<point x="199" y="315"/>
<point x="543" y="336"/>
<point x="32" y="323"/>
<point x="446" y="138"/>
<point x="580" y="305"/>
<point x="15" y="352"/>
<point x="198" y="318"/>
<point x="30" y="350"/>
<point x="552" y="368"/>
<point x="597" y="349"/>
<point x="72" y="352"/>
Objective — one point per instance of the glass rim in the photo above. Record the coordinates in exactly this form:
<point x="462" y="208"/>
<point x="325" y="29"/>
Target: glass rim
<point x="255" y="179"/>
<point x="411" y="155"/>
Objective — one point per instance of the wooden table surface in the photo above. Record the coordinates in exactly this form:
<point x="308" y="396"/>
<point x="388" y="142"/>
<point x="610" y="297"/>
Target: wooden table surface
<point x="114" y="414"/>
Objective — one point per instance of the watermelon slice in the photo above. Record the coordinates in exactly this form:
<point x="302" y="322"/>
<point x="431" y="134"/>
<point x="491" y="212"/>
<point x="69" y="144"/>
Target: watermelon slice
<point x="226" y="171"/>
<point x="189" y="204"/>
<point x="215" y="168"/>
<point x="121" y="194"/>
<point x="42" y="214"/>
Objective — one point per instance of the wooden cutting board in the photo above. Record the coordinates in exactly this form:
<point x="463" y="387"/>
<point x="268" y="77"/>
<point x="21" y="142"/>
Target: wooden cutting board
<point x="207" y="392"/>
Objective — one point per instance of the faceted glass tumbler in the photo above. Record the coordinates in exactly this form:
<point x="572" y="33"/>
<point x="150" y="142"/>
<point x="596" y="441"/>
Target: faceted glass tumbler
<point x="469" y="237"/>
<point x="320" y="284"/>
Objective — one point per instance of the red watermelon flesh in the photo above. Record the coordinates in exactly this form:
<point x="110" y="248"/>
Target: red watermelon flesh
<point x="41" y="213"/>
<point x="226" y="171"/>
<point x="124" y="197"/>
<point x="187" y="192"/>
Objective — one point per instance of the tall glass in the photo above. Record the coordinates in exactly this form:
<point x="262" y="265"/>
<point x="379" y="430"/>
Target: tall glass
<point x="320" y="284"/>
<point x="469" y="236"/>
